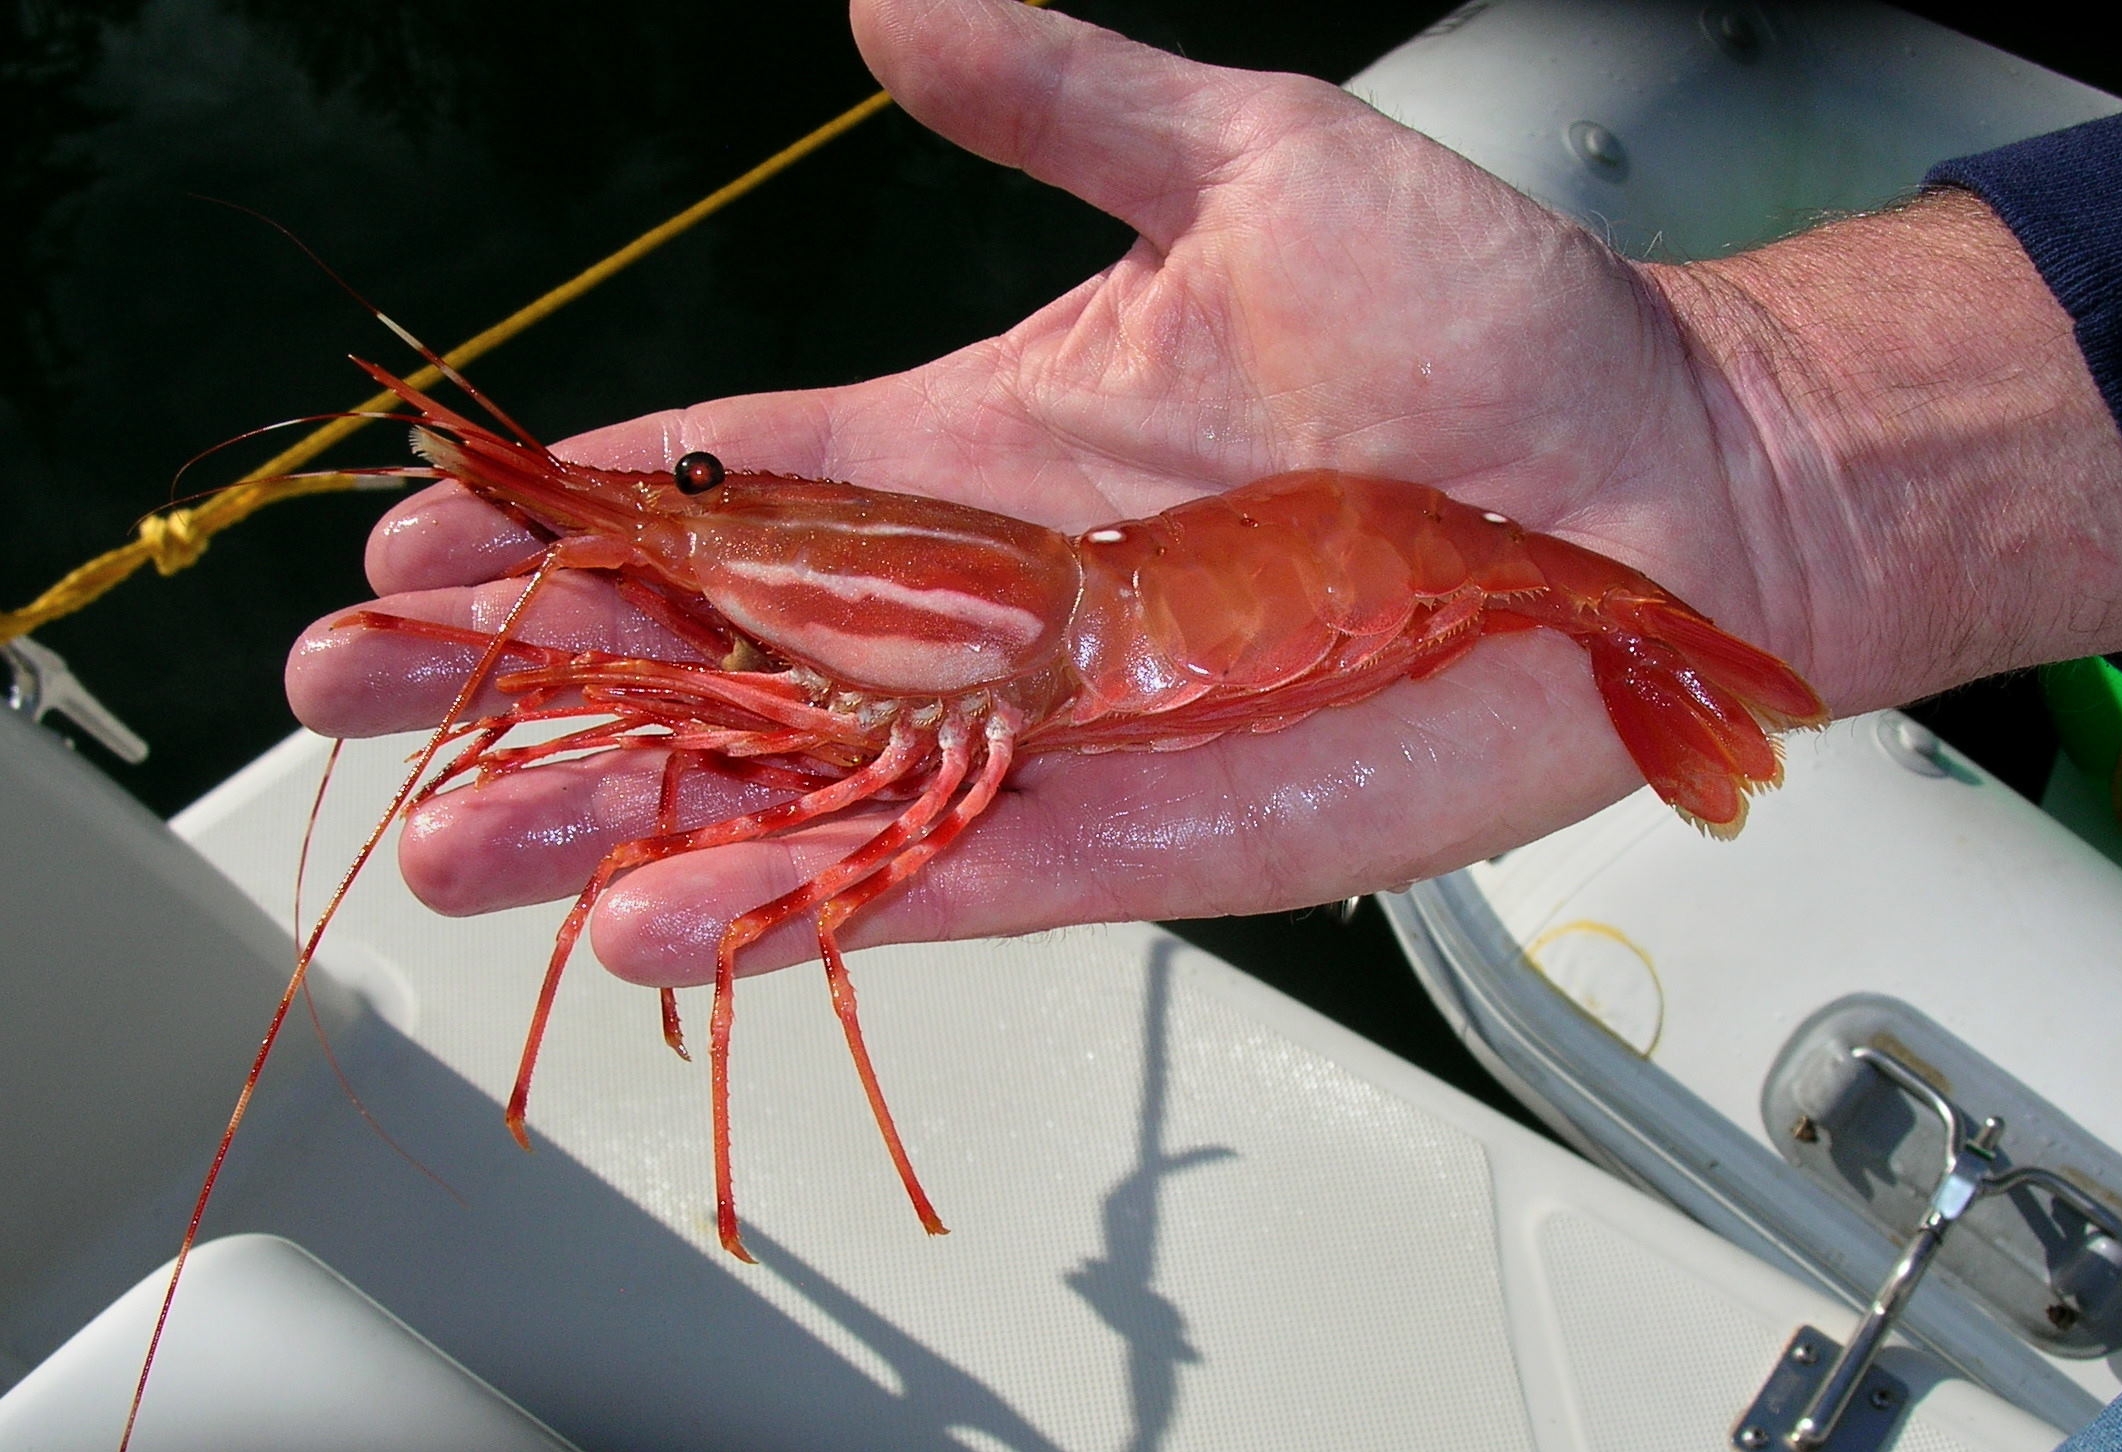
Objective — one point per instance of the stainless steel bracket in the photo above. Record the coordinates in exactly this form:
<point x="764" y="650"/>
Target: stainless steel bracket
<point x="1875" y="1407"/>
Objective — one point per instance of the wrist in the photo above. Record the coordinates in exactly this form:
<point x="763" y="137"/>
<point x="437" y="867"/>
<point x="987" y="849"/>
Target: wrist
<point x="1929" y="461"/>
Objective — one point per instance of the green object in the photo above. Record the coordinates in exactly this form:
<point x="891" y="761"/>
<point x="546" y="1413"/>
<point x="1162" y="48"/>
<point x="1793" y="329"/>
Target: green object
<point x="2085" y="697"/>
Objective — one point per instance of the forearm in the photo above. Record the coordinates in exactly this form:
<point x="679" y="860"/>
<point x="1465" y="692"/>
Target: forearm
<point x="1905" y="401"/>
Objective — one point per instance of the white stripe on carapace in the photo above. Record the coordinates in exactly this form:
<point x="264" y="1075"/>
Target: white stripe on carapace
<point x="1006" y="623"/>
<point x="892" y="529"/>
<point x="900" y="664"/>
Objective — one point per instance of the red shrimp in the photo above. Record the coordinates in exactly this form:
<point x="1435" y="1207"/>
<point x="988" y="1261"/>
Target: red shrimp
<point x="871" y="644"/>
<point x="857" y="645"/>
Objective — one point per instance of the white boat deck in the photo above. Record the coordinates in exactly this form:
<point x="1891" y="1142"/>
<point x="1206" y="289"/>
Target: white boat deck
<point x="1187" y="1212"/>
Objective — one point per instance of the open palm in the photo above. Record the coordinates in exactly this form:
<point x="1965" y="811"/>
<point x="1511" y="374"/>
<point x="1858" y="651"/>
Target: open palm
<point x="1314" y="285"/>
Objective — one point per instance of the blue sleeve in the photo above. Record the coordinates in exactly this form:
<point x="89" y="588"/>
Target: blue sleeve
<point x="2104" y="1435"/>
<point x="2061" y="195"/>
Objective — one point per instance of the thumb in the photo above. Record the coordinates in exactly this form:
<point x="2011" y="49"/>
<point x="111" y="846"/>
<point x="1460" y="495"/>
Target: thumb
<point x="1137" y="133"/>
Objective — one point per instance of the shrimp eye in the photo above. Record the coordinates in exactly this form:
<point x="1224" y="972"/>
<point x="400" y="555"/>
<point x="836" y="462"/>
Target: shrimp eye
<point x="698" y="473"/>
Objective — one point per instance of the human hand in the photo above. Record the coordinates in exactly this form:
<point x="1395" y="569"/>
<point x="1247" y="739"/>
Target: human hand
<point x="1315" y="286"/>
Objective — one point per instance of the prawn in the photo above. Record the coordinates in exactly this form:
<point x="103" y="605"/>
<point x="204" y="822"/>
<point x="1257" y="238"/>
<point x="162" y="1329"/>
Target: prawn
<point x="854" y="645"/>
<point x="866" y="645"/>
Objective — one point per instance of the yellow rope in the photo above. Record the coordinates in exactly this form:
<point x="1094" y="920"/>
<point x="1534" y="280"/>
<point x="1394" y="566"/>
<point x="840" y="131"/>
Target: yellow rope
<point x="175" y="538"/>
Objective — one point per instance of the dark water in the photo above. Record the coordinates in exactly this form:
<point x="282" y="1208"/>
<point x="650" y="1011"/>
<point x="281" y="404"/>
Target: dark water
<point x="455" y="158"/>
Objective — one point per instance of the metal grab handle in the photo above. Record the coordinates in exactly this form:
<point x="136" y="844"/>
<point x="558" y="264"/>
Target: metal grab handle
<point x="2058" y="1188"/>
<point x="1967" y="1164"/>
<point x="1969" y="1172"/>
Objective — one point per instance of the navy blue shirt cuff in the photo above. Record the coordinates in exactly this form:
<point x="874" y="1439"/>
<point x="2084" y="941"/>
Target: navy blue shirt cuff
<point x="2061" y="195"/>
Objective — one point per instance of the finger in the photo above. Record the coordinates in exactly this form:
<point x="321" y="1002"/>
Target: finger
<point x="663" y="924"/>
<point x="346" y="678"/>
<point x="536" y="834"/>
<point x="1134" y="131"/>
<point x="444" y="535"/>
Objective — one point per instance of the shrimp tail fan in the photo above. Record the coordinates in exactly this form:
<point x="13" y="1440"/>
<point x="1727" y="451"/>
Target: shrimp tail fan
<point x="1697" y="708"/>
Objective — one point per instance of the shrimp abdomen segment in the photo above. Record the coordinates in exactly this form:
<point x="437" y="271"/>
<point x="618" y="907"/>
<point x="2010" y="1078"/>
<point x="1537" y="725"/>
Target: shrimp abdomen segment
<point x="1302" y="574"/>
<point x="1243" y="591"/>
<point x="1249" y="610"/>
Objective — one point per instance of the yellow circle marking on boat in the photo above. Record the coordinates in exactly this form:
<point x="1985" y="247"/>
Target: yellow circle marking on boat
<point x="1607" y="975"/>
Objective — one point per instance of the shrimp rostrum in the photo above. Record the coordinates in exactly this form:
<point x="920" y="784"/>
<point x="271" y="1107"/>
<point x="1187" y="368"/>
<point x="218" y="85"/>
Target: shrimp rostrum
<point x="847" y="646"/>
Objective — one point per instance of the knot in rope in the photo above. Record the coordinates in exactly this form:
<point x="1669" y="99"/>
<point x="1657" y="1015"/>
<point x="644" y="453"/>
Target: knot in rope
<point x="174" y="539"/>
